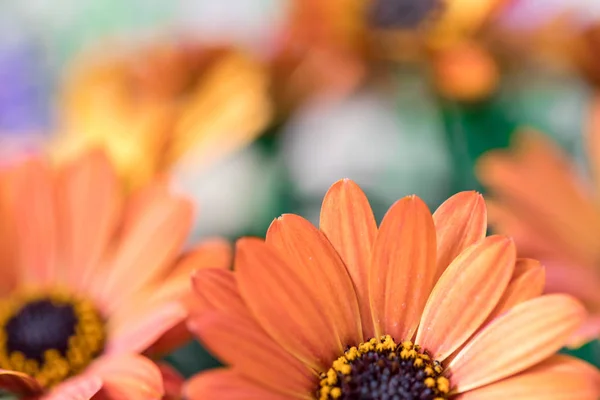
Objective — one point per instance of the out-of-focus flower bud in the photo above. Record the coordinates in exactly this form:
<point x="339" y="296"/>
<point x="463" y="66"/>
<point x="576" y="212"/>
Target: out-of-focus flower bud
<point x="465" y="72"/>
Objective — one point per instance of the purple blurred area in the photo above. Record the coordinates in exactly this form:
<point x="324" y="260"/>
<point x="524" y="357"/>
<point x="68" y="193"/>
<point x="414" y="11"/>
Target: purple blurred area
<point x="24" y="105"/>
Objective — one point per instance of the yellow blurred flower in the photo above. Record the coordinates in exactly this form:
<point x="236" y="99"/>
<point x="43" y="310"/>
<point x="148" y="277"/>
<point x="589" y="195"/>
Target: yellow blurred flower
<point x="149" y="107"/>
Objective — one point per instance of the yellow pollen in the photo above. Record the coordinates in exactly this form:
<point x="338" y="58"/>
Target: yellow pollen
<point x="49" y="335"/>
<point x="443" y="384"/>
<point x="404" y="360"/>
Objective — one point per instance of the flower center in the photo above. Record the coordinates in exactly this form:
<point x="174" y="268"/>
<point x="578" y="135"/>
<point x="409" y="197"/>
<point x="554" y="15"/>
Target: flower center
<point x="49" y="336"/>
<point x="382" y="369"/>
<point x="403" y="14"/>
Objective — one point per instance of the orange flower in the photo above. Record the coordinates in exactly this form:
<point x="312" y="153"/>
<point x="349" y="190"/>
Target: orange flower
<point x="539" y="200"/>
<point x="333" y="45"/>
<point x="92" y="281"/>
<point x="423" y="307"/>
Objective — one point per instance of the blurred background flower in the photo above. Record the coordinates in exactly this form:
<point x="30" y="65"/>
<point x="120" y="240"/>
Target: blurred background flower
<point x="551" y="212"/>
<point x="151" y="106"/>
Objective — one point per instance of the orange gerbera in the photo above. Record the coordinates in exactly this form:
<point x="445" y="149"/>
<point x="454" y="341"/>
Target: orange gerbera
<point x="92" y="281"/>
<point x="540" y="201"/>
<point x="423" y="307"/>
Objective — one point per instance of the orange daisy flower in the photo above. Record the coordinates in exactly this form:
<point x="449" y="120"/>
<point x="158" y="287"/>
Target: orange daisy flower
<point x="92" y="282"/>
<point x="423" y="307"/>
<point x="538" y="198"/>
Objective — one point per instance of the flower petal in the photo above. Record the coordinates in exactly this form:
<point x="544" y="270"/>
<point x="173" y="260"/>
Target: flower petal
<point x="543" y="188"/>
<point x="403" y="268"/>
<point x="154" y="234"/>
<point x="8" y="241"/>
<point x="311" y="255"/>
<point x="532" y="240"/>
<point x="19" y="383"/>
<point x="459" y="222"/>
<point x="241" y="343"/>
<point x="36" y="223"/>
<point x="465" y="295"/>
<point x="128" y="377"/>
<point x="135" y="332"/>
<point x="225" y="384"/>
<point x="210" y="253"/>
<point x="516" y="340"/>
<point x="169" y="341"/>
<point x="589" y="331"/>
<point x="526" y="283"/>
<point x="308" y="292"/>
<point x="172" y="381"/>
<point x="558" y="378"/>
<point x="592" y="133"/>
<point x="217" y="289"/>
<point x="88" y="206"/>
<point x="579" y="281"/>
<point x="82" y="387"/>
<point x="348" y="222"/>
<point x="175" y="286"/>
<point x="165" y="306"/>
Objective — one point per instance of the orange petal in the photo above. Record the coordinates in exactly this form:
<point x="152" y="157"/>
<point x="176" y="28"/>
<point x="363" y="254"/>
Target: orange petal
<point x="215" y="253"/>
<point x="580" y="281"/>
<point x="217" y="289"/>
<point x="19" y="383"/>
<point x="135" y="333"/>
<point x="308" y="294"/>
<point x="151" y="242"/>
<point x="169" y="341"/>
<point x="311" y="255"/>
<point x="348" y="222"/>
<point x="542" y="185"/>
<point x="225" y="384"/>
<point x="210" y="253"/>
<point x="526" y="283"/>
<point x="8" y="247"/>
<point x="459" y="222"/>
<point x="241" y="343"/>
<point x="89" y="204"/>
<point x="532" y="240"/>
<point x="128" y="377"/>
<point x="36" y="223"/>
<point x="592" y="133"/>
<point x="557" y="378"/>
<point x="403" y="268"/>
<point x="172" y="381"/>
<point x="516" y="340"/>
<point x="82" y="387"/>
<point x="465" y="295"/>
<point x="589" y="331"/>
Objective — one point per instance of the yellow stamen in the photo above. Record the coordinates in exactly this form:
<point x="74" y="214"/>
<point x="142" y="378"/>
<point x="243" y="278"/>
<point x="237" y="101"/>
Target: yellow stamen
<point x="53" y="365"/>
<point x="341" y="371"/>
